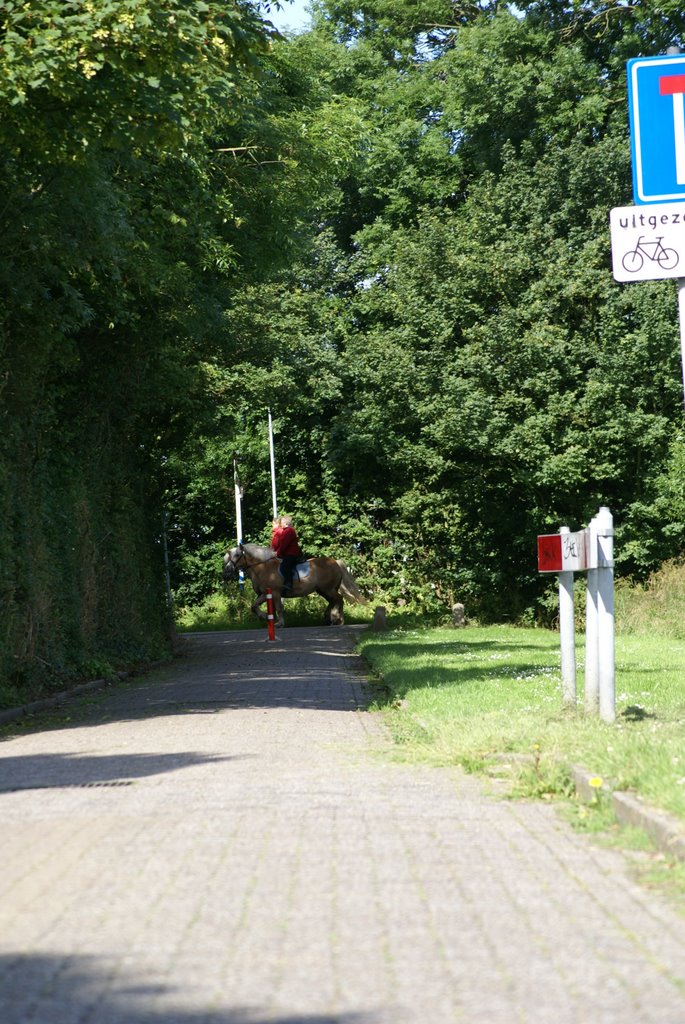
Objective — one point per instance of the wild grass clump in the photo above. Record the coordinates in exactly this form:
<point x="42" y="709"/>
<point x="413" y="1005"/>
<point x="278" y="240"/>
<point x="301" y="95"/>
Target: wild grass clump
<point x="657" y="606"/>
<point x="217" y="612"/>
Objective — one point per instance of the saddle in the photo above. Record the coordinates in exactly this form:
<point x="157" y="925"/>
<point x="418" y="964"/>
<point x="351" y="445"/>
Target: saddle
<point x="300" y="572"/>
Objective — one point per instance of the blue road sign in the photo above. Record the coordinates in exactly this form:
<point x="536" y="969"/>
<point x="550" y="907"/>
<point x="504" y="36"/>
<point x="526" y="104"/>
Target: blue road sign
<point x="656" y="94"/>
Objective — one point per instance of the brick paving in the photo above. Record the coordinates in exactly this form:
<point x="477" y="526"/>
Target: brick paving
<point x="227" y="840"/>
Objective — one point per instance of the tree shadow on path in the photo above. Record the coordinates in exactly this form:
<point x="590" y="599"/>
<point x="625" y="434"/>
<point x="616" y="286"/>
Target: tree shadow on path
<point x="45" y="989"/>
<point x="51" y="771"/>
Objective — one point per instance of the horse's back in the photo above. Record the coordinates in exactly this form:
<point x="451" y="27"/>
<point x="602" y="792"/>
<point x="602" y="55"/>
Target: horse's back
<point x="262" y="554"/>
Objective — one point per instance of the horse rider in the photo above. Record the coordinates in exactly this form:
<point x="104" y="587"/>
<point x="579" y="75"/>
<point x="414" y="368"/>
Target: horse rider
<point x="286" y="545"/>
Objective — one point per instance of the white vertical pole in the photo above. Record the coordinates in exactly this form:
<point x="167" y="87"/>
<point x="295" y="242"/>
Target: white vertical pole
<point x="567" y="633"/>
<point x="273" y="466"/>
<point x="605" y="615"/>
<point x="681" y="318"/>
<point x="238" y="496"/>
<point x="591" y="625"/>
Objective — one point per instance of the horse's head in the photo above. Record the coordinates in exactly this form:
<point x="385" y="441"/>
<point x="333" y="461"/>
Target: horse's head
<point x="232" y="559"/>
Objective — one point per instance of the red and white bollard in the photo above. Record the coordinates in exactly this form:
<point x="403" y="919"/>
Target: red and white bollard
<point x="270" y="614"/>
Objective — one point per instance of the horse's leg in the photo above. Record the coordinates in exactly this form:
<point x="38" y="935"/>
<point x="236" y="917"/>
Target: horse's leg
<point x="256" y="609"/>
<point x="337" y="617"/>
<point x="329" y="605"/>
<point x="333" y="616"/>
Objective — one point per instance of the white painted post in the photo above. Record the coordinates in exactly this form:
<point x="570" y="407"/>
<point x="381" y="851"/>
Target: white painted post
<point x="238" y="493"/>
<point x="273" y="466"/>
<point x="605" y="615"/>
<point x="567" y="634"/>
<point x="591" y="625"/>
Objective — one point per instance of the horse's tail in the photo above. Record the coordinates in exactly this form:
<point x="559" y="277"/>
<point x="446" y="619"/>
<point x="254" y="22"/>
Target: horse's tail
<point x="348" y="586"/>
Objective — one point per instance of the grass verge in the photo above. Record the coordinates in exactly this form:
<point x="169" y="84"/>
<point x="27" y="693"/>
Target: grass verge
<point x="460" y="697"/>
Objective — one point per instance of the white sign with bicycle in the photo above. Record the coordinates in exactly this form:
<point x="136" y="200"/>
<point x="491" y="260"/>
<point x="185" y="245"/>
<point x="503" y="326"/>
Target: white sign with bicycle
<point x="648" y="242"/>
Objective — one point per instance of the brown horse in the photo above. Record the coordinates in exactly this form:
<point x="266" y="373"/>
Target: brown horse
<point x="328" y="577"/>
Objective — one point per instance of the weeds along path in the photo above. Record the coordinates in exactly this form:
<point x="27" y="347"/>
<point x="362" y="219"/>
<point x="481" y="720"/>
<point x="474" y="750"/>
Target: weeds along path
<point x="229" y="840"/>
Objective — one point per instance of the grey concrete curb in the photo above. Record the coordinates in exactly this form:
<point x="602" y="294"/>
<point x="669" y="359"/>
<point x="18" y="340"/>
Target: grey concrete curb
<point x="667" y="831"/>
<point x="36" y="706"/>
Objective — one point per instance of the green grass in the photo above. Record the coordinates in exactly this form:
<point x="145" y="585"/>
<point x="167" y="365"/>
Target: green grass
<point x="459" y="697"/>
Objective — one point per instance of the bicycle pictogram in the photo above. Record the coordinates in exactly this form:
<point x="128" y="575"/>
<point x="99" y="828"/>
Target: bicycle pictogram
<point x="655" y="251"/>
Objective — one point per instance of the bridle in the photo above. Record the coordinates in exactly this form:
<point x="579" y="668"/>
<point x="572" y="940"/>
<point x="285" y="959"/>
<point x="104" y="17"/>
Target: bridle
<point x="243" y="559"/>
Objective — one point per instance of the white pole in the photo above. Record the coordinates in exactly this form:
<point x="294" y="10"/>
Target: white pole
<point x="238" y="494"/>
<point x="591" y="632"/>
<point x="605" y="615"/>
<point x="567" y="634"/>
<point x="681" y="318"/>
<point x="237" y="490"/>
<point x="273" y="466"/>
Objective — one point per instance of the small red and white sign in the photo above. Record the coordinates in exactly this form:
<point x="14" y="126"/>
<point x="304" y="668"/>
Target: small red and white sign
<point x="563" y="552"/>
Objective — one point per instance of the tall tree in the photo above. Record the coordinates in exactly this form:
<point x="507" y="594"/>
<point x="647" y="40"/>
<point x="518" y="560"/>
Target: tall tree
<point x="491" y="380"/>
<point x="114" y="260"/>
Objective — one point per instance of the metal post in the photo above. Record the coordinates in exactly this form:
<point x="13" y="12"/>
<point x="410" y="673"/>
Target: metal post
<point x="567" y="633"/>
<point x="238" y="494"/>
<point x="273" y="466"/>
<point x="681" y="319"/>
<point x="605" y="615"/>
<point x="591" y="633"/>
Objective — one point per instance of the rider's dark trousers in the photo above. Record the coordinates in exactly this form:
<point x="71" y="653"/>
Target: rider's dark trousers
<point x="288" y="563"/>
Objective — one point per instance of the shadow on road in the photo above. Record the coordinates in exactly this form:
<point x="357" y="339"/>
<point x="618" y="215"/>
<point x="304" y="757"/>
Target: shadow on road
<point x="47" y="989"/>
<point x="305" y="668"/>
<point x="47" y="771"/>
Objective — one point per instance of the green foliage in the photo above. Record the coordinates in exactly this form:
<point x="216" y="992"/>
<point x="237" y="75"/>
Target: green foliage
<point x="112" y="283"/>
<point x="392" y="231"/>
<point x="451" y="367"/>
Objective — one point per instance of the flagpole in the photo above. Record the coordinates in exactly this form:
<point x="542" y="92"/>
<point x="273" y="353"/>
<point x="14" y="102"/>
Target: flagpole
<point x="238" y="494"/>
<point x="273" y="466"/>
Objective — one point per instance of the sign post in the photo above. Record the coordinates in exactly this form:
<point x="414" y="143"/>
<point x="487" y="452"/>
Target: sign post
<point x="605" y="614"/>
<point x="567" y="630"/>
<point x="591" y="629"/>
<point x="590" y="550"/>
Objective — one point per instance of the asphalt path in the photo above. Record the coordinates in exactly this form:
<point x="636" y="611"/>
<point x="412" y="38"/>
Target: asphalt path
<point x="228" y="840"/>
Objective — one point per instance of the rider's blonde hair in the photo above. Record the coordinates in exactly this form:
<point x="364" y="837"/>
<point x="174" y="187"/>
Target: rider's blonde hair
<point x="286" y="520"/>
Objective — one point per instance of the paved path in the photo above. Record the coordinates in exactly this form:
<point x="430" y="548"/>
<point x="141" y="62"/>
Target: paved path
<point x="225" y="841"/>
